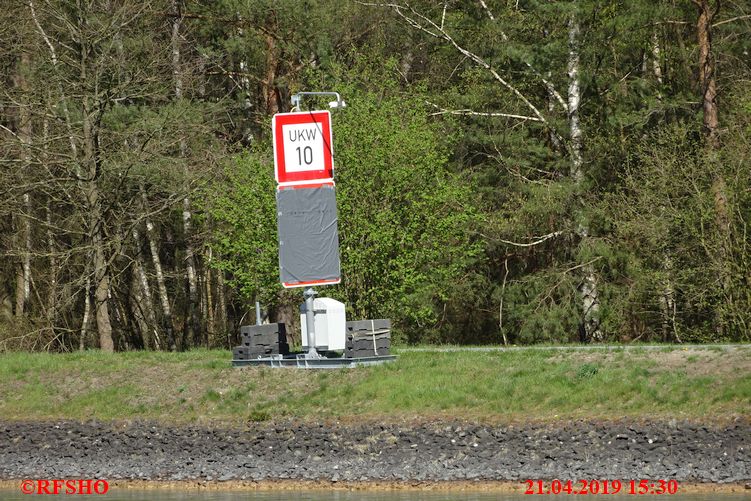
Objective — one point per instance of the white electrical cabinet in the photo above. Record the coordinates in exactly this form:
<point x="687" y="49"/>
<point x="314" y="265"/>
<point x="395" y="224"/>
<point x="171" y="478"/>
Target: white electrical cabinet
<point x="330" y="325"/>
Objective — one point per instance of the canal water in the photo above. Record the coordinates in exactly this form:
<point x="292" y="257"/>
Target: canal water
<point x="170" y="495"/>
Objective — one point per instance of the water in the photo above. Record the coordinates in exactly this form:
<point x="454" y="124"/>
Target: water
<point x="174" y="495"/>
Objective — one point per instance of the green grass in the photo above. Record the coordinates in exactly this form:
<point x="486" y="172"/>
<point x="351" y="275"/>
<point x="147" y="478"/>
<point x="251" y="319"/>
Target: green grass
<point x="200" y="386"/>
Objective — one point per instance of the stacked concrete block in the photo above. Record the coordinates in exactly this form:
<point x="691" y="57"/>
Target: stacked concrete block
<point x="240" y="353"/>
<point x="368" y="338"/>
<point x="259" y="341"/>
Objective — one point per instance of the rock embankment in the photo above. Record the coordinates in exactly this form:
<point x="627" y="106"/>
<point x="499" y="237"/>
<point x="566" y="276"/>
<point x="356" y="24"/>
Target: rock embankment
<point x="433" y="452"/>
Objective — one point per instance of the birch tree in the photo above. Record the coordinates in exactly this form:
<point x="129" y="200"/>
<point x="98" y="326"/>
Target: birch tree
<point x="193" y="330"/>
<point x="588" y="287"/>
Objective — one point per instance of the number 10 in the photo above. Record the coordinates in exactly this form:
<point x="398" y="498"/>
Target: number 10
<point x="305" y="155"/>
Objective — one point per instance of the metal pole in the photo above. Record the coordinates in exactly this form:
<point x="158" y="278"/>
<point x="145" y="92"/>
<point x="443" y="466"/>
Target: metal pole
<point x="310" y="321"/>
<point x="296" y="98"/>
<point x="258" y="313"/>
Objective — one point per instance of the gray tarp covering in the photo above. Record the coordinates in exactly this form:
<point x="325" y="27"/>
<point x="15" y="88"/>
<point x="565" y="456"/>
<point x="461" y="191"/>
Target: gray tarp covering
<point x="308" y="234"/>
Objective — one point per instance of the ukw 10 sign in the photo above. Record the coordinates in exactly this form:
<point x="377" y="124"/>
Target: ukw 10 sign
<point x="303" y="148"/>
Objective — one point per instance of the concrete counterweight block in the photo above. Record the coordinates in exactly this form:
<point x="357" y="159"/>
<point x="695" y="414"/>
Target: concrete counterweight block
<point x="261" y="341"/>
<point x="240" y="353"/>
<point x="378" y="324"/>
<point x="368" y="338"/>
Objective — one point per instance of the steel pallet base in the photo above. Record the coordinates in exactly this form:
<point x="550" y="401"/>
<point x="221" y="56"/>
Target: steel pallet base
<point x="301" y="362"/>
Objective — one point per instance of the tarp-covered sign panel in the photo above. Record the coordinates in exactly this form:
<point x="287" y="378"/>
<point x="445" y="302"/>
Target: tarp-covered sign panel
<point x="308" y="236"/>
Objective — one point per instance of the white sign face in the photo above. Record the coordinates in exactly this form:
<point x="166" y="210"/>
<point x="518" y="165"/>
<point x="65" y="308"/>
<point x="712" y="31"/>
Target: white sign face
<point x="304" y="147"/>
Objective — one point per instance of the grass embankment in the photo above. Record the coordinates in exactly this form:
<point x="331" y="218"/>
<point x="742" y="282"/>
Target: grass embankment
<point x="548" y="385"/>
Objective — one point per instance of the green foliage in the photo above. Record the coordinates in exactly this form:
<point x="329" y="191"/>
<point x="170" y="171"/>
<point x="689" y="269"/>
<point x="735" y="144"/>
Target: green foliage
<point x="666" y="219"/>
<point x="405" y="220"/>
<point x="243" y="203"/>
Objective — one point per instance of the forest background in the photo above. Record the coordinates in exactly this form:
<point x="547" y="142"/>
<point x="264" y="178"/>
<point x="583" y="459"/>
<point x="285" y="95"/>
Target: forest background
<point x="508" y="171"/>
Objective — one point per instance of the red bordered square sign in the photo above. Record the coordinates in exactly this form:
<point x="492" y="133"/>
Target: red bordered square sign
<point x="303" y="147"/>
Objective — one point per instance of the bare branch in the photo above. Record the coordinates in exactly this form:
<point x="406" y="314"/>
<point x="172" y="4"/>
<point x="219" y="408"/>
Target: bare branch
<point x="487" y="10"/>
<point x="582" y="265"/>
<point x="2" y="127"/>
<point x="536" y="242"/>
<point x="42" y="32"/>
<point x="732" y="19"/>
<point x="443" y="111"/>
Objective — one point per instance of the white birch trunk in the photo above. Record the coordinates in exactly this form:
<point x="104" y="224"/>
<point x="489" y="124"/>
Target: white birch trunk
<point x="209" y="302"/>
<point x="161" y="284"/>
<point x="574" y="99"/>
<point x="23" y="292"/>
<point x="667" y="298"/>
<point x="137" y="312"/>
<point x="244" y="80"/>
<point x="211" y="331"/>
<point x="27" y="249"/>
<point x="656" y="66"/>
<point x="588" y="286"/>
<point x="146" y="302"/>
<point x="16" y="245"/>
<point x="190" y="269"/>
<point x="52" y="291"/>
<point x="86" y="311"/>
<point x="193" y="331"/>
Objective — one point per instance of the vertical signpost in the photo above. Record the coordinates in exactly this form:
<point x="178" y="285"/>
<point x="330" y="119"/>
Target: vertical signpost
<point x="306" y="203"/>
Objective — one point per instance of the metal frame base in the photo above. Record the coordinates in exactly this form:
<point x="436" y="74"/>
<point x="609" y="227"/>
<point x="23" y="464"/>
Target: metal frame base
<point x="301" y="362"/>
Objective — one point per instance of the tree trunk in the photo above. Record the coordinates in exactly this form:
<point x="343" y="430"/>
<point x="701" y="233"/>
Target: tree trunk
<point x="86" y="310"/>
<point x="175" y="43"/>
<point x="272" y="65"/>
<point x="707" y="81"/>
<point x="588" y="286"/>
<point x="161" y="285"/>
<point x="711" y="117"/>
<point x="23" y="288"/>
<point x="194" y="328"/>
<point x="247" y="133"/>
<point x="711" y="125"/>
<point x="101" y="295"/>
<point x="210" y="310"/>
<point x="656" y="63"/>
<point x="667" y="298"/>
<point x="16" y="243"/>
<point x="93" y="203"/>
<point x="288" y="314"/>
<point x="138" y="308"/>
<point x="221" y="298"/>
<point x="193" y="331"/>
<point x="145" y="304"/>
<point x="52" y="290"/>
<point x="26" y="255"/>
<point x="574" y="99"/>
